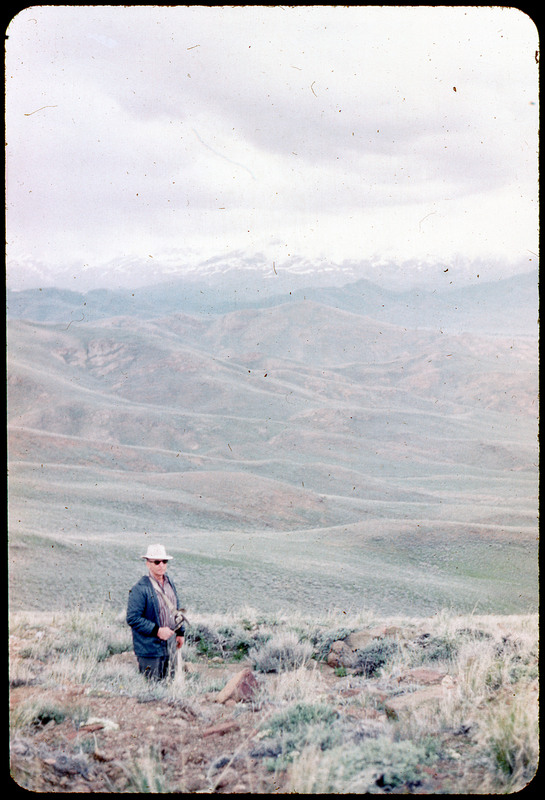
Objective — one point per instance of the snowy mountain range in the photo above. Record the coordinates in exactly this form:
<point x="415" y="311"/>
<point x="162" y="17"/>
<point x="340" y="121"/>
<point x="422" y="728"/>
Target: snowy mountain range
<point x="220" y="286"/>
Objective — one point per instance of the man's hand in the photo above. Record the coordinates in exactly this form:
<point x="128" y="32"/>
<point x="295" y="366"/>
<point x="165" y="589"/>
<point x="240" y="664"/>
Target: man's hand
<point x="179" y="642"/>
<point x="165" y="633"/>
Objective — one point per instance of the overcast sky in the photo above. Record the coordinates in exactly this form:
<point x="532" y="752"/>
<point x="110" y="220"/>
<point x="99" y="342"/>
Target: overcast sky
<point x="327" y="132"/>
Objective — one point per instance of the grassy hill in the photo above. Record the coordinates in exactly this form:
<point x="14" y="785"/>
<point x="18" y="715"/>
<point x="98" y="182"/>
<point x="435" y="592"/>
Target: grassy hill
<point x="298" y="454"/>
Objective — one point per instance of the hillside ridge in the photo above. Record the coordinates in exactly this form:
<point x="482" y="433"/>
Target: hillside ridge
<point x="478" y="307"/>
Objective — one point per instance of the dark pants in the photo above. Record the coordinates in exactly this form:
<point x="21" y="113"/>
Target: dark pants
<point x="156" y="668"/>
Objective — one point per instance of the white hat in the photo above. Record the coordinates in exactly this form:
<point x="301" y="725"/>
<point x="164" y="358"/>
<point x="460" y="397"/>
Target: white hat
<point x="156" y="552"/>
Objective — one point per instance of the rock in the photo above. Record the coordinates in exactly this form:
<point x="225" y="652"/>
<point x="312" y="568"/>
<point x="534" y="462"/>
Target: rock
<point x="241" y="687"/>
<point x="194" y="784"/>
<point x="98" y="755"/>
<point x="350" y="692"/>
<point x="222" y="728"/>
<point x="464" y="728"/>
<point x="340" y="655"/>
<point x="359" y="639"/>
<point x="404" y="703"/>
<point x="229" y="775"/>
<point x="68" y="765"/>
<point x="423" y="675"/>
<point x="98" y="726"/>
<point x="103" y="722"/>
<point x="392" y="631"/>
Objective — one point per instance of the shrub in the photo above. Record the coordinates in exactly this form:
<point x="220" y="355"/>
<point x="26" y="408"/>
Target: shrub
<point x="301" y="715"/>
<point x="395" y="763"/>
<point x="510" y="738"/>
<point x="145" y="774"/>
<point x="38" y="713"/>
<point x="207" y="642"/>
<point x="300" y="725"/>
<point x="322" y="640"/>
<point x="227" y="642"/>
<point x="374" y="766"/>
<point x="282" y="652"/>
<point x="427" y="648"/>
<point x="374" y="656"/>
<point x="473" y="633"/>
<point x="236" y="642"/>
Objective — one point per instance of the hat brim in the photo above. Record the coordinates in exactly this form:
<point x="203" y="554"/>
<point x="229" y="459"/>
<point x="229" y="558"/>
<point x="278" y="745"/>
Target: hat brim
<point x="157" y="558"/>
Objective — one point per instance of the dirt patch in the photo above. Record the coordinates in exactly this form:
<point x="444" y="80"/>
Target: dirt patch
<point x="191" y="746"/>
<point x="201" y="745"/>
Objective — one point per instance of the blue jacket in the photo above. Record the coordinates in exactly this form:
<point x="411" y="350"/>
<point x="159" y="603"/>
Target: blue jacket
<point x="143" y="617"/>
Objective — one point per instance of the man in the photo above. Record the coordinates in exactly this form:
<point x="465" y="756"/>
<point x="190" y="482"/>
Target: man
<point x="153" y="602"/>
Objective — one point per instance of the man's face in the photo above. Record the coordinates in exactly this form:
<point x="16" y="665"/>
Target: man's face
<point x="157" y="568"/>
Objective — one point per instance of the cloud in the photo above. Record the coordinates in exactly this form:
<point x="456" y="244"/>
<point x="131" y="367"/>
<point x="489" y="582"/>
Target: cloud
<point x="161" y="127"/>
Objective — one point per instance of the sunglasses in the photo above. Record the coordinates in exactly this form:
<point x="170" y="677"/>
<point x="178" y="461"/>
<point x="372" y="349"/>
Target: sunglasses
<point x="162" y="561"/>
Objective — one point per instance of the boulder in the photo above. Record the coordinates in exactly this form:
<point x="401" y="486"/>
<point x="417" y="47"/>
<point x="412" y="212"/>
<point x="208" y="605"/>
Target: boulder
<point x="241" y="687"/>
<point x="340" y="655"/>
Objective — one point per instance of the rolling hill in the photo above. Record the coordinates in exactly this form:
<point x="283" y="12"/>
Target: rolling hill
<point x="298" y="452"/>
